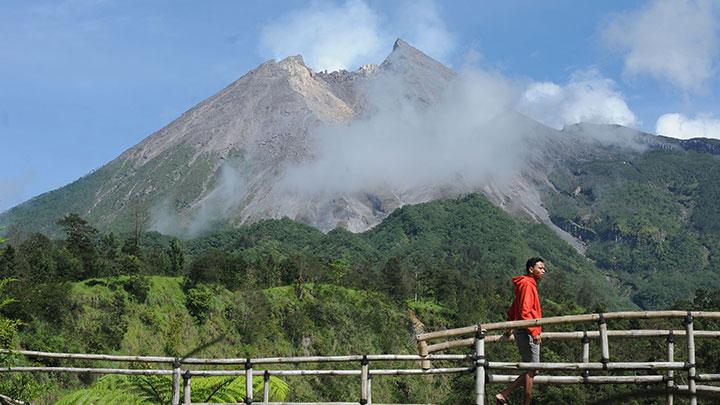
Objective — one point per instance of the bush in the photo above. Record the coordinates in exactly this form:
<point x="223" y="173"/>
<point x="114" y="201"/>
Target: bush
<point x="197" y="301"/>
<point x="138" y="287"/>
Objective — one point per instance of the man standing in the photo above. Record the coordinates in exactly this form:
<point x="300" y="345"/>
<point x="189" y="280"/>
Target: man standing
<point x="525" y="306"/>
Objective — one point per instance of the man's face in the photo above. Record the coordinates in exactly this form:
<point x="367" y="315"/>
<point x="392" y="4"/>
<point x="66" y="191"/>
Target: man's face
<point x="538" y="270"/>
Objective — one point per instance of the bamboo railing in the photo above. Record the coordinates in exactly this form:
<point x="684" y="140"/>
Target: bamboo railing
<point x="184" y="369"/>
<point x="483" y="366"/>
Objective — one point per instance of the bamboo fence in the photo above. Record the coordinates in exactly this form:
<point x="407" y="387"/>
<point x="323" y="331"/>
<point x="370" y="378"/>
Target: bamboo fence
<point x="184" y="369"/>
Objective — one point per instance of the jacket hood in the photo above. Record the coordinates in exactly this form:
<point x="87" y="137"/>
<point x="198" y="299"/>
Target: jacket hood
<point x="518" y="280"/>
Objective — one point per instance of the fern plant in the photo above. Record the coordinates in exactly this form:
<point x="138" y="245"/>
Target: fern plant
<point x="109" y="389"/>
<point x="141" y="390"/>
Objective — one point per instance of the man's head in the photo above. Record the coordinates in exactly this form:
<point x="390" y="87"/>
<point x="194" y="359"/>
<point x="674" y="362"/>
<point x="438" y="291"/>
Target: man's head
<point x="535" y="267"/>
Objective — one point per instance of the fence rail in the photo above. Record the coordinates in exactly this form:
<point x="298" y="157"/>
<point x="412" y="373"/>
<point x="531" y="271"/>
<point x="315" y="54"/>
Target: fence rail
<point x="476" y="362"/>
<point x="483" y="366"/>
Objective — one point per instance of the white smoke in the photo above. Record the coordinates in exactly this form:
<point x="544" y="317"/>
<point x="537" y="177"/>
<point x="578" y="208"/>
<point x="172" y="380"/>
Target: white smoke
<point x="227" y="196"/>
<point x="682" y="127"/>
<point x="412" y="142"/>
<point x="674" y="41"/>
<point x="468" y="134"/>
<point x="587" y="97"/>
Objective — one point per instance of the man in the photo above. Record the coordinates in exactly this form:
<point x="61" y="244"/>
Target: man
<point x="525" y="306"/>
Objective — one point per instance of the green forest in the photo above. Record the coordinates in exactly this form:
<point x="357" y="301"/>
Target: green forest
<point x="650" y="220"/>
<point x="281" y="288"/>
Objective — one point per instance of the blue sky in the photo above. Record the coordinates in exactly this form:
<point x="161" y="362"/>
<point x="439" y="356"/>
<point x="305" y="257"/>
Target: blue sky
<point x="83" y="80"/>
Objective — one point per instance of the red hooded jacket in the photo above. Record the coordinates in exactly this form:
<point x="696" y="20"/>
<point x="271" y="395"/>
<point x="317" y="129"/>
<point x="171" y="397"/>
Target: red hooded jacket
<point x="526" y="304"/>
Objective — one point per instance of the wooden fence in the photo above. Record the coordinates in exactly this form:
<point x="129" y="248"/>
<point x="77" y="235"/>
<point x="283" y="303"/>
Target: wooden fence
<point x="483" y="366"/>
<point x="183" y="370"/>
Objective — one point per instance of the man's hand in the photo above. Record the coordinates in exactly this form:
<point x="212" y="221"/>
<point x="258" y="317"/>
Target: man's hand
<point x="537" y="340"/>
<point x="506" y="335"/>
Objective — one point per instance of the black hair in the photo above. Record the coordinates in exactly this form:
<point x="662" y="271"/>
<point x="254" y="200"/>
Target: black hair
<point x="532" y="262"/>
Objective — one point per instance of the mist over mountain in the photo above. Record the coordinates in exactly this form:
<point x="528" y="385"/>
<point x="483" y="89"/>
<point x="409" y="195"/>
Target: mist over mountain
<point x="338" y="149"/>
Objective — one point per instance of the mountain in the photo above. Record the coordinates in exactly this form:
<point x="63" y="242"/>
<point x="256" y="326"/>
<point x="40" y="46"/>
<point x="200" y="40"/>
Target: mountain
<point x="226" y="159"/>
<point x="221" y="159"/>
<point x="650" y="218"/>
<point x="346" y="149"/>
<point x="265" y="114"/>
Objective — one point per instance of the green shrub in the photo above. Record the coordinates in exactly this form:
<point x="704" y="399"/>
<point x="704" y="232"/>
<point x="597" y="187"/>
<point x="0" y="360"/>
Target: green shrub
<point x="198" y="300"/>
<point x="138" y="287"/>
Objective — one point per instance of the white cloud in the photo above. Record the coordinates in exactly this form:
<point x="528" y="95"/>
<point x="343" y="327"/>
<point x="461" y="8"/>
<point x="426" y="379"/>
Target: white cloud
<point x="679" y="126"/>
<point x="328" y="36"/>
<point x="344" y="36"/>
<point x="587" y="97"/>
<point x="676" y="41"/>
<point x="423" y="26"/>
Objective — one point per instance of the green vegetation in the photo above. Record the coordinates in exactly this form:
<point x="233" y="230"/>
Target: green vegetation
<point x="167" y="179"/>
<point x="650" y="220"/>
<point x="282" y="288"/>
<point x="157" y="389"/>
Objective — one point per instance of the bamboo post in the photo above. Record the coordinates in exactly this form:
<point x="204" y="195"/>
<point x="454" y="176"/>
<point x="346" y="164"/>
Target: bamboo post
<point x="691" y="357"/>
<point x="248" y="381"/>
<point x="364" y="373"/>
<point x="479" y="367"/>
<point x="187" y="393"/>
<point x="602" y="325"/>
<point x="423" y="351"/>
<point x="670" y="373"/>
<point x="586" y="355"/>
<point x="176" y="382"/>
<point x="369" y="389"/>
<point x="266" y="386"/>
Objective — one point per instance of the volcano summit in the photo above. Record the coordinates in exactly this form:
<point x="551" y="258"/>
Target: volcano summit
<point x="339" y="149"/>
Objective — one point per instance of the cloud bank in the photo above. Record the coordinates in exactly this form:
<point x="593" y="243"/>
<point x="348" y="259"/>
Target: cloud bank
<point x="469" y="135"/>
<point x="679" y="126"/>
<point x="587" y="97"/>
<point x="344" y="36"/>
<point x="673" y="41"/>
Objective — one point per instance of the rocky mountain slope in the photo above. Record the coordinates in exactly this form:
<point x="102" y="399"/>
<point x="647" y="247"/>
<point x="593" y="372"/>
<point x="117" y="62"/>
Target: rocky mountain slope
<point x="226" y="160"/>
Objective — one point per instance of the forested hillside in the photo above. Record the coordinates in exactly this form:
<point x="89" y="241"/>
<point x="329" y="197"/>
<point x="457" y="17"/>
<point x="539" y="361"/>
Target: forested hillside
<point x="650" y="220"/>
<point x="281" y="288"/>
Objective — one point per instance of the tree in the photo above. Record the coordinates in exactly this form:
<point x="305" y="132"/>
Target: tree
<point x="8" y="327"/>
<point x="131" y="246"/>
<point x="397" y="280"/>
<point x="7" y="262"/>
<point x="80" y="240"/>
<point x="216" y="266"/>
<point x="109" y="246"/>
<point x="177" y="257"/>
<point x="36" y="253"/>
